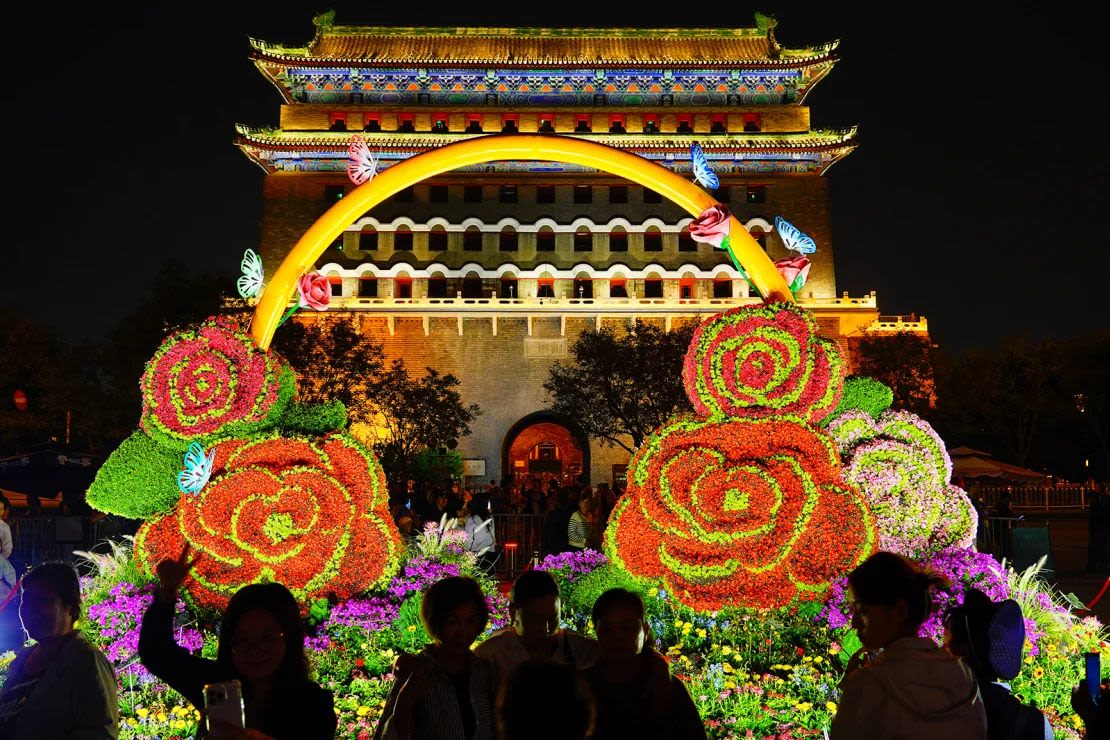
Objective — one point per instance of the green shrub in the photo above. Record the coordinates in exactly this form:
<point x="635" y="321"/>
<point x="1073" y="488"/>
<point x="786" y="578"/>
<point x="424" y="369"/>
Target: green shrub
<point x="313" y="418"/>
<point x="865" y="394"/>
<point x="411" y="634"/>
<point x="138" y="480"/>
<point x="581" y="594"/>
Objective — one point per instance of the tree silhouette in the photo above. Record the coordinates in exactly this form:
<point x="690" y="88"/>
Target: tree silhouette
<point x="622" y="386"/>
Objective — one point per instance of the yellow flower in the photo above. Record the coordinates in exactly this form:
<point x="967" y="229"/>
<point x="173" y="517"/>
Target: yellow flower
<point x="411" y="628"/>
<point x="1029" y="659"/>
<point x="363" y="711"/>
<point x="653" y="592"/>
<point x="701" y="633"/>
<point x="142" y="711"/>
<point x="727" y="668"/>
<point x="1050" y="647"/>
<point x="686" y="629"/>
<point x="730" y="684"/>
<point x="834" y="649"/>
<point x="817" y="659"/>
<point x="1038" y="672"/>
<point x="178" y="724"/>
<point x="830" y="705"/>
<point x="726" y="650"/>
<point x="678" y="624"/>
<point x="161" y="716"/>
<point x="804" y="706"/>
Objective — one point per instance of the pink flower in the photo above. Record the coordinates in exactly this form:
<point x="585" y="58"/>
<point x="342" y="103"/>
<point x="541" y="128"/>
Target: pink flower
<point x="315" y="291"/>
<point x="795" y="271"/>
<point x="711" y="226"/>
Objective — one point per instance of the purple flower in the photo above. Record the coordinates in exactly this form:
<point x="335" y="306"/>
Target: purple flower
<point x="417" y="575"/>
<point x="573" y="565"/>
<point x="371" y="615"/>
<point x="118" y="618"/>
<point x="963" y="568"/>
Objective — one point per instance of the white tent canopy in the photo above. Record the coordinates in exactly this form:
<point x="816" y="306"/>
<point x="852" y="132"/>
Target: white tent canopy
<point x="971" y="463"/>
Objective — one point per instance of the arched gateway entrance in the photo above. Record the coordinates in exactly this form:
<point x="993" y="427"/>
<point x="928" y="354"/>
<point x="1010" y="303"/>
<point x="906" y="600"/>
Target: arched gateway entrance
<point x="545" y="445"/>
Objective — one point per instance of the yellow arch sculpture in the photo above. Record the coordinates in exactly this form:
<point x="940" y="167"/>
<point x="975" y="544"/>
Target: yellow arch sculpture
<point x="528" y="147"/>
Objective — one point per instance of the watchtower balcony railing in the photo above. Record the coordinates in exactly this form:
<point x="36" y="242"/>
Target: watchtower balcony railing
<point x="564" y="304"/>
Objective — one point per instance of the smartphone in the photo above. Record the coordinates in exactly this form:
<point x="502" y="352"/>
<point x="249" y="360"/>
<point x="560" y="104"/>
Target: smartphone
<point x="223" y="702"/>
<point x="1094" y="676"/>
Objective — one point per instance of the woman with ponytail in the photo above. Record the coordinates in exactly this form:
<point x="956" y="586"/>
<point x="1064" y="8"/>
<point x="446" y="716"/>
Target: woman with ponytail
<point x="900" y="685"/>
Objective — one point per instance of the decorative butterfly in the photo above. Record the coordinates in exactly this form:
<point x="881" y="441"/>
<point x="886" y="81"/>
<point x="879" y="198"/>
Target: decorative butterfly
<point x="793" y="238"/>
<point x="250" y="282"/>
<point x="705" y="176"/>
<point x="362" y="165"/>
<point x="198" y="469"/>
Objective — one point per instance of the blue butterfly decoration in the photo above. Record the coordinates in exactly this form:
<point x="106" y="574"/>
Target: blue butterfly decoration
<point x="703" y="173"/>
<point x="793" y="238"/>
<point x="198" y="469"/>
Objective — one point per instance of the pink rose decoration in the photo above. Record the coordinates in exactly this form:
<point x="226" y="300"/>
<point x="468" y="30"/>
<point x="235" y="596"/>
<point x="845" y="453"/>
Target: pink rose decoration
<point x="315" y="291"/>
<point x="711" y="226"/>
<point x="795" y="271"/>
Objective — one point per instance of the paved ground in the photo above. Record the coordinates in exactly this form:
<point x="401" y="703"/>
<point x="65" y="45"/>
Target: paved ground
<point x="1068" y="532"/>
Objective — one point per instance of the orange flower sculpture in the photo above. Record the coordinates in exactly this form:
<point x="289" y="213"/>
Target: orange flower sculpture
<point x="309" y="512"/>
<point x="742" y="512"/>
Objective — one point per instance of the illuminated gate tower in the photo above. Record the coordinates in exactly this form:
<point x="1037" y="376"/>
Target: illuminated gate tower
<point x="490" y="272"/>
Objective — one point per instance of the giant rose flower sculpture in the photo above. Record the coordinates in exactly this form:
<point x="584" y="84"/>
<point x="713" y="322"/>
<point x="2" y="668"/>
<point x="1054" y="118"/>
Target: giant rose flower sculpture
<point x="903" y="469"/>
<point x="746" y="504"/>
<point x="212" y="381"/>
<point x="748" y="512"/>
<point x="311" y="513"/>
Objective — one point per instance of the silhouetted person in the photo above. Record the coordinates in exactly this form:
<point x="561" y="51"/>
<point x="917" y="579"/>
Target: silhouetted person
<point x="1096" y="717"/>
<point x="899" y="685"/>
<point x="545" y="701"/>
<point x="535" y="613"/>
<point x="990" y="638"/>
<point x="444" y="692"/>
<point x="1098" y="522"/>
<point x="62" y="687"/>
<point x="554" y="537"/>
<point x="261" y="645"/>
<point x="636" y="695"/>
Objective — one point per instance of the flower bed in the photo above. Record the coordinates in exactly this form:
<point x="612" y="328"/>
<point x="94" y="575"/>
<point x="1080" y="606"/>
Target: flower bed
<point x="773" y="673"/>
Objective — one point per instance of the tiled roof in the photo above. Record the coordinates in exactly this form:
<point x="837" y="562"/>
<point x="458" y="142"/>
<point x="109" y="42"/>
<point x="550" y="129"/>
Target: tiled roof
<point x="324" y="140"/>
<point x="516" y="47"/>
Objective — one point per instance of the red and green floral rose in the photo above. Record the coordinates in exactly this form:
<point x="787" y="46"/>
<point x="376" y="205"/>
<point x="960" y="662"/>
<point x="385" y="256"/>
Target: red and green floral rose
<point x="309" y="512"/>
<point x="739" y="512"/>
<point x="763" y="360"/>
<point x="210" y="382"/>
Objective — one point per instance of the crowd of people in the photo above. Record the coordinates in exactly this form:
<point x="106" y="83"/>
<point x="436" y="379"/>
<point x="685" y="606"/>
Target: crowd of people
<point x="532" y="679"/>
<point x="565" y="515"/>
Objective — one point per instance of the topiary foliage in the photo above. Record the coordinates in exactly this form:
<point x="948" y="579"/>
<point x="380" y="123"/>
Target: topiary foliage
<point x="310" y="418"/>
<point x="740" y="512"/>
<point x="863" y="394"/>
<point x="138" y="480"/>
<point x="309" y="512"/>
<point x="211" y="382"/>
<point x="763" y="360"/>
<point x="903" y="469"/>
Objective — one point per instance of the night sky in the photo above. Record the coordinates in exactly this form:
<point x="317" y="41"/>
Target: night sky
<point x="978" y="195"/>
